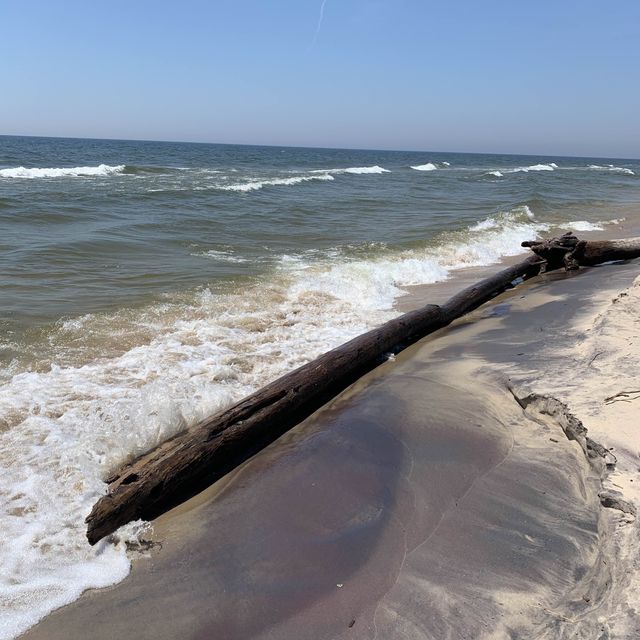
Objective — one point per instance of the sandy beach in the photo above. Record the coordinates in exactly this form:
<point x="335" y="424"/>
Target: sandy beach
<point x="319" y="321"/>
<point x="425" y="501"/>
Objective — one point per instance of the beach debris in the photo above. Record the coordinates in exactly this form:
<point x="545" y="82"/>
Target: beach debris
<point x="571" y="253"/>
<point x="614" y="500"/>
<point x="623" y="396"/>
<point x="543" y="405"/>
<point x="193" y="459"/>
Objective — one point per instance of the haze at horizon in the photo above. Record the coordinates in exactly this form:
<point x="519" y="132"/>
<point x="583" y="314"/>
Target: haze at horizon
<point x="540" y="79"/>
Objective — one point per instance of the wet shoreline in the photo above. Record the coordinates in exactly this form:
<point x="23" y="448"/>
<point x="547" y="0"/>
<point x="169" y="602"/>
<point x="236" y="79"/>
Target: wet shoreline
<point x="421" y="502"/>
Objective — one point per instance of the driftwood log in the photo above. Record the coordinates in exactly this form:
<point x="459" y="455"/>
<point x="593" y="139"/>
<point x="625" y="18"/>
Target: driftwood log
<point x="192" y="460"/>
<point x="571" y="253"/>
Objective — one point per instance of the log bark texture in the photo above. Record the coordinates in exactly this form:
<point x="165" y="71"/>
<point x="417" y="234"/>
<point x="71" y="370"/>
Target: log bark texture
<point x="190" y="461"/>
<point x="572" y="253"/>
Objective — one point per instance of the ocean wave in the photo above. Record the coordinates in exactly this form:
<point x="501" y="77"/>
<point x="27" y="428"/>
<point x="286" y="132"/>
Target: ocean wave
<point x="551" y="166"/>
<point x="160" y="170"/>
<point x="54" y="172"/>
<point x="612" y="168"/>
<point x="431" y="166"/>
<point x="497" y="174"/>
<point x="362" y="170"/>
<point x="375" y="169"/>
<point x="254" y="185"/>
<point x="375" y="283"/>
<point x="221" y="256"/>
<point x="585" y="225"/>
<point x="138" y="376"/>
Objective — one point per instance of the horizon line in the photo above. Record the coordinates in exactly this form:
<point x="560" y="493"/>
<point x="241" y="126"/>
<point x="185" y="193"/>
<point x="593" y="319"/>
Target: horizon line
<point x="289" y="146"/>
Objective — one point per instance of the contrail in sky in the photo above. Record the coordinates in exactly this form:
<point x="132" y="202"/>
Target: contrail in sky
<point x="315" y="35"/>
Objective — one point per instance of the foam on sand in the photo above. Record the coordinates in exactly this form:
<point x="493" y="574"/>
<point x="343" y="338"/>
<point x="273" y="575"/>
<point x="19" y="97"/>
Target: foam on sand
<point x="63" y="172"/>
<point x="137" y="376"/>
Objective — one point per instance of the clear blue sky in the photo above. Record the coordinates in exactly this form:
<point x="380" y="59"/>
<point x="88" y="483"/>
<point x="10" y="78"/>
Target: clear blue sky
<point x="551" y="77"/>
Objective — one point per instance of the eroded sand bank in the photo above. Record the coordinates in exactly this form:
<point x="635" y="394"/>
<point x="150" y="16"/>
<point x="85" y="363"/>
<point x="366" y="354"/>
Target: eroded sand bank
<point x="422" y="503"/>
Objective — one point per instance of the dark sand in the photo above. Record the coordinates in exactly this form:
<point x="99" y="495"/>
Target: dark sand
<point x="421" y="503"/>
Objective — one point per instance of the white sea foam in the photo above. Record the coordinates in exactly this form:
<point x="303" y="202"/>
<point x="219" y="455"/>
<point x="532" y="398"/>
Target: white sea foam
<point x="254" y="185"/>
<point x="375" y="169"/>
<point x="585" y="225"/>
<point x="534" y="167"/>
<point x="497" y="174"/>
<point x="221" y="256"/>
<point x="612" y="168"/>
<point x="363" y="170"/>
<point x="374" y="284"/>
<point x="73" y="172"/>
<point x="425" y="167"/>
<point x="517" y="216"/>
<point x="138" y="376"/>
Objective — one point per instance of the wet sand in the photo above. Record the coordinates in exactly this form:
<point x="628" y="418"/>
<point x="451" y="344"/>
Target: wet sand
<point x="421" y="503"/>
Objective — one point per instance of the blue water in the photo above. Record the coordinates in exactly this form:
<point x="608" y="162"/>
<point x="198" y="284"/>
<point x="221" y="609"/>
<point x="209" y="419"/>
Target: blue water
<point x="146" y="285"/>
<point x="76" y="244"/>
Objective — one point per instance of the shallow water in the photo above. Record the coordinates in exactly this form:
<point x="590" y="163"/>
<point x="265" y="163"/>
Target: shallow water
<point x="146" y="285"/>
<point x="421" y="503"/>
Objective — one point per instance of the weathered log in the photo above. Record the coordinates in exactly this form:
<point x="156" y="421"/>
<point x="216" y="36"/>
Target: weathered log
<point x="572" y="253"/>
<point x="190" y="461"/>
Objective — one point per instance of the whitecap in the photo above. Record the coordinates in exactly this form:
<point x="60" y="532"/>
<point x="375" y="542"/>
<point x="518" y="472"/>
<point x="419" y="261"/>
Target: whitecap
<point x="73" y="172"/>
<point x="375" y="169"/>
<point x="364" y="170"/>
<point x="612" y="168"/>
<point x="429" y="166"/>
<point x="221" y="256"/>
<point x="254" y="185"/>
<point x="138" y="376"/>
<point x="583" y="225"/>
<point x="534" y="167"/>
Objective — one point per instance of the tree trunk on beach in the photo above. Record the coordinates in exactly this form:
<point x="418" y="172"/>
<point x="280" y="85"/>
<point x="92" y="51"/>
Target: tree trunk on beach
<point x="572" y="253"/>
<point x="190" y="461"/>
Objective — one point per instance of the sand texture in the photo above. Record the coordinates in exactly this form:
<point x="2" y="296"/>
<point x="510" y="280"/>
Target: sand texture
<point x="424" y="502"/>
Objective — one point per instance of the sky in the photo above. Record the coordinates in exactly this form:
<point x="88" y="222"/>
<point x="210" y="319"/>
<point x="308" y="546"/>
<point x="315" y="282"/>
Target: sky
<point x="546" y="77"/>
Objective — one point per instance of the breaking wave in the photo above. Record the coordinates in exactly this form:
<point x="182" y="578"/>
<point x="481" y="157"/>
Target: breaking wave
<point x="430" y="166"/>
<point x="254" y="185"/>
<point x="74" y="172"/>
<point x="354" y="170"/>
<point x="534" y="167"/>
<point x="585" y="225"/>
<point x="362" y="170"/>
<point x="612" y="168"/>
<point x="137" y="376"/>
